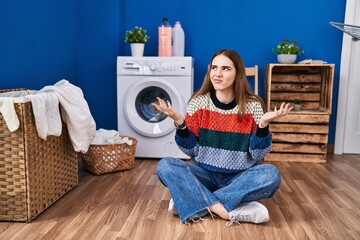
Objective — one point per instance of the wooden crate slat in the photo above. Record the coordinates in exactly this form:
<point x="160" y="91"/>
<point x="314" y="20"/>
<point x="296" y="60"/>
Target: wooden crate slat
<point x="298" y="128"/>
<point x="300" y="138"/>
<point x="300" y="69"/>
<point x="307" y="118"/>
<point x="290" y="97"/>
<point x="304" y="105"/>
<point x="299" y="148"/>
<point x="298" y="78"/>
<point x="289" y="157"/>
<point x="294" y="87"/>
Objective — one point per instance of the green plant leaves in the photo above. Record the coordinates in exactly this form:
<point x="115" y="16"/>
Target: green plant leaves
<point x="136" y="35"/>
<point x="286" y="47"/>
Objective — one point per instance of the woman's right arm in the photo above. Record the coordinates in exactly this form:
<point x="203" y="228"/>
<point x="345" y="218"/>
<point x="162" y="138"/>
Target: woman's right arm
<point x="187" y="142"/>
<point x="185" y="138"/>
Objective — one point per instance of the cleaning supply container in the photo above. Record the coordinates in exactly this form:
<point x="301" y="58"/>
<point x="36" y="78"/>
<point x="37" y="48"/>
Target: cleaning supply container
<point x="165" y="37"/>
<point x="178" y="48"/>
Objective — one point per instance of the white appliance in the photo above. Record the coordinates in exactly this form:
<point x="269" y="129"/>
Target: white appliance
<point x="139" y="81"/>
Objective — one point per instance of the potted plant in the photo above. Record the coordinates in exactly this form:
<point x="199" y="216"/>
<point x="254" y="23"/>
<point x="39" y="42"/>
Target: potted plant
<point x="137" y="38"/>
<point x="297" y="104"/>
<point x="287" y="51"/>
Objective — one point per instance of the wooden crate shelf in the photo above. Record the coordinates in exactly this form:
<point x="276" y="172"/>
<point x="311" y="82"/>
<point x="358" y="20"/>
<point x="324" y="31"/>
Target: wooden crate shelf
<point x="301" y="136"/>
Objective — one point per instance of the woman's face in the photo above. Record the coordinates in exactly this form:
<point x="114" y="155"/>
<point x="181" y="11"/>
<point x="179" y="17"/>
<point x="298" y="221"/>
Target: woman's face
<point x="222" y="73"/>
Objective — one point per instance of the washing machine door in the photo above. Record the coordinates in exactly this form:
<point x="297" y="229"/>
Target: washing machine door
<point x="143" y="117"/>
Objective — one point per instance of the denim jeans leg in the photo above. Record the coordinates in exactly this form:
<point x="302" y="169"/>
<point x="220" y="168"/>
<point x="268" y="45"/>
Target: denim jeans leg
<point x="257" y="182"/>
<point x="190" y="187"/>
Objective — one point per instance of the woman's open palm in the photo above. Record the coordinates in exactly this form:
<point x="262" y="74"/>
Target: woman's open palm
<point x="270" y="116"/>
<point x="166" y="108"/>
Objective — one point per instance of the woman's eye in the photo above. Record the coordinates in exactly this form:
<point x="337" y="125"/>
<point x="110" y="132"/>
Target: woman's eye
<point x="226" y="68"/>
<point x="213" y="67"/>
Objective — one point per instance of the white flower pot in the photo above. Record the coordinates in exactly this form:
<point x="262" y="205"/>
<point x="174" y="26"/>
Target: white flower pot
<point x="297" y="107"/>
<point x="137" y="49"/>
<point x="286" y="58"/>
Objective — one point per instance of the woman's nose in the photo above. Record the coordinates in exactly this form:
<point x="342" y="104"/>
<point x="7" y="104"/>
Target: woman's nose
<point x="218" y="73"/>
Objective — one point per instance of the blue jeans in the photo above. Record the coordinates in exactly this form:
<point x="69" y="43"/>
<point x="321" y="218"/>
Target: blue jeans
<point x="195" y="189"/>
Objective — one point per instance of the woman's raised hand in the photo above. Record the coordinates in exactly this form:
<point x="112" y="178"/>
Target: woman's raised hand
<point x="270" y="116"/>
<point x="166" y="108"/>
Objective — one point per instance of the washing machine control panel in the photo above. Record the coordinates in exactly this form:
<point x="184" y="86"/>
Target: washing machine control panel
<point x="162" y="67"/>
<point x="155" y="66"/>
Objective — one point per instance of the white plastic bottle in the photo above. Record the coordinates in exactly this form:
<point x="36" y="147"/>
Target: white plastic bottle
<point x="165" y="36"/>
<point x="178" y="49"/>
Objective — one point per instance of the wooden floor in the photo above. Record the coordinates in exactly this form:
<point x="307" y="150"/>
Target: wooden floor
<point x="315" y="201"/>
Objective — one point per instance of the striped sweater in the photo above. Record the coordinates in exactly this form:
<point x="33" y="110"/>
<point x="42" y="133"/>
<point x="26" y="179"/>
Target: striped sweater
<point x="217" y="141"/>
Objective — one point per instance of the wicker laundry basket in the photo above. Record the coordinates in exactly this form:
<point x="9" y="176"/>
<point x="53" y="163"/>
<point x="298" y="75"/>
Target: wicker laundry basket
<point x="34" y="173"/>
<point x="106" y="158"/>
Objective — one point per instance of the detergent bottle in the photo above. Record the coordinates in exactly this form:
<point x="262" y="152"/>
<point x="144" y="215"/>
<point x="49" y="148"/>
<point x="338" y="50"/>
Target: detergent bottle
<point x="178" y="48"/>
<point x="165" y="37"/>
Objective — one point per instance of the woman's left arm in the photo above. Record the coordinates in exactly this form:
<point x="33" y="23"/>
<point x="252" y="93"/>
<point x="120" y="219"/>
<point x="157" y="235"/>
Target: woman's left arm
<point x="260" y="141"/>
<point x="270" y="116"/>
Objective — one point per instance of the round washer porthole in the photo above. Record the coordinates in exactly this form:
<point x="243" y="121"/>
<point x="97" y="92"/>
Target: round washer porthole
<point x="143" y="103"/>
<point x="141" y="116"/>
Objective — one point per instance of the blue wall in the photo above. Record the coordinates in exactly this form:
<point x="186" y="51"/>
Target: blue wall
<point x="46" y="41"/>
<point x="37" y="42"/>
<point x="97" y="49"/>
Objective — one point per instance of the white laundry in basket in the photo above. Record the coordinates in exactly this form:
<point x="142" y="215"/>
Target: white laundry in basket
<point x="104" y="136"/>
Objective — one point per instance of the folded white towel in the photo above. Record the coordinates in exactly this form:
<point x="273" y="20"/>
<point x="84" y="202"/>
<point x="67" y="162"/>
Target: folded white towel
<point x="46" y="113"/>
<point x="8" y="112"/>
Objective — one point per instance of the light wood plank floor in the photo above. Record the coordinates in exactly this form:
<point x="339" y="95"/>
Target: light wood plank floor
<point x="315" y="201"/>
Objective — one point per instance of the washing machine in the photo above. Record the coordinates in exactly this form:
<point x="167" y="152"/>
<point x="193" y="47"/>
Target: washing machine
<point x="140" y="80"/>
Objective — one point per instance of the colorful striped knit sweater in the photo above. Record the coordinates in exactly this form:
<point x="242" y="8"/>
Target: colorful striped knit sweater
<point x="217" y="141"/>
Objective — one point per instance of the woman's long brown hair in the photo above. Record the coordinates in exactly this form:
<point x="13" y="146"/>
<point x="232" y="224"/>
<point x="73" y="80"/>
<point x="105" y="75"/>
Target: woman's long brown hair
<point x="242" y="89"/>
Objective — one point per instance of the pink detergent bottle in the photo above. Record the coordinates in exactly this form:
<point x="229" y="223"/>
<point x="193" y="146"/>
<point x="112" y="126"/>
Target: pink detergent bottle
<point x="165" y="36"/>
